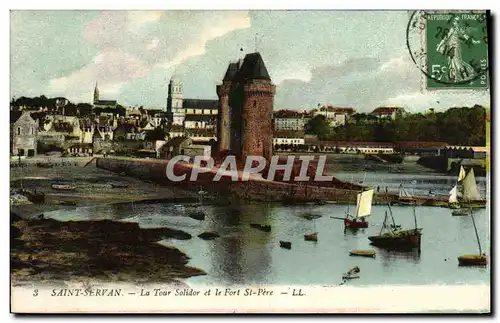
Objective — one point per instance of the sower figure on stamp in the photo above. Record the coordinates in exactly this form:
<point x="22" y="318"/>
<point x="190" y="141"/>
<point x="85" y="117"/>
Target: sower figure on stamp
<point x="451" y="46"/>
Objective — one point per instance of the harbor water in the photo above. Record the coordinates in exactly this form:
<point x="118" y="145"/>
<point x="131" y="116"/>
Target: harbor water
<point x="247" y="256"/>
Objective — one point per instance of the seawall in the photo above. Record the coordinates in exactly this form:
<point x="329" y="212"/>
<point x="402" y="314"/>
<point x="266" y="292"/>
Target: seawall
<point x="226" y="189"/>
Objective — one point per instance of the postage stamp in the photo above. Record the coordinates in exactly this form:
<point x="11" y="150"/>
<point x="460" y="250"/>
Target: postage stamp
<point x="450" y="48"/>
<point x="173" y="161"/>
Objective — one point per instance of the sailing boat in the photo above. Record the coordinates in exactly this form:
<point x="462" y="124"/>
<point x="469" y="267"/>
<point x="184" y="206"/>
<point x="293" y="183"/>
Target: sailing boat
<point x="363" y="209"/>
<point x="404" y="198"/>
<point x="395" y="238"/>
<point x="474" y="260"/>
<point x="465" y="193"/>
<point x="199" y="215"/>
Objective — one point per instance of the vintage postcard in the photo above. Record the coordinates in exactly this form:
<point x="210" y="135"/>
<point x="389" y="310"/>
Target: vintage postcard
<point x="250" y="161"/>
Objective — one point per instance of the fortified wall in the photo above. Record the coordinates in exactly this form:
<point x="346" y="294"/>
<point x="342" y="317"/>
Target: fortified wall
<point x="259" y="190"/>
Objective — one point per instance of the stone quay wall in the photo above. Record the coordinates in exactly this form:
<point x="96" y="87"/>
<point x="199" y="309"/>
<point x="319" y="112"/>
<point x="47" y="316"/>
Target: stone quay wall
<point x="259" y="190"/>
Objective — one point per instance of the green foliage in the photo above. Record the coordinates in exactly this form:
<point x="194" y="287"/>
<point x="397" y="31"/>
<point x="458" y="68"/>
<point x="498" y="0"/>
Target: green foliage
<point x="456" y="126"/>
<point x="318" y="126"/>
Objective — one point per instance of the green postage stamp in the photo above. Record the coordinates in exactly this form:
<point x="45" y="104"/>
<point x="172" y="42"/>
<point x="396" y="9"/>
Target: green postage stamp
<point x="454" y="49"/>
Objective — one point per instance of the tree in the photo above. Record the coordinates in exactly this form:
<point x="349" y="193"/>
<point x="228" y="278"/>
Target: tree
<point x="84" y="109"/>
<point x="157" y="134"/>
<point x="318" y="126"/>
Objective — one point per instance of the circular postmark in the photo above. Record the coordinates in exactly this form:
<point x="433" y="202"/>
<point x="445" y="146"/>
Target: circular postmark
<point x="450" y="47"/>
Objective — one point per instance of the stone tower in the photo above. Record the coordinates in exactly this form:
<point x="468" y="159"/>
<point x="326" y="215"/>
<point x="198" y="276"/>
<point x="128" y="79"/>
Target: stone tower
<point x="174" y="101"/>
<point x="245" y="109"/>
<point x="96" y="94"/>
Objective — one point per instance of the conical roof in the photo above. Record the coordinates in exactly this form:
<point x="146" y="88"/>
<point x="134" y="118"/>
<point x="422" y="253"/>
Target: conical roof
<point x="232" y="69"/>
<point x="253" y="67"/>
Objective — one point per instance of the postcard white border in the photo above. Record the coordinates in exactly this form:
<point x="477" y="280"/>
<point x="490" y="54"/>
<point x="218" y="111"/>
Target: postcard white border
<point x="189" y="4"/>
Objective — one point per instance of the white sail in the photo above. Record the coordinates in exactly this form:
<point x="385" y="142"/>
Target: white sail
<point x="469" y="187"/>
<point x="403" y="192"/>
<point x="364" y="206"/>
<point x="461" y="174"/>
<point x="453" y="195"/>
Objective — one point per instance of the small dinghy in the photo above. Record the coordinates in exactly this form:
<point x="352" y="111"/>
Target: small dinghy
<point x="458" y="212"/>
<point x="262" y="227"/>
<point x="69" y="203"/>
<point x="286" y="244"/>
<point x="119" y="185"/>
<point x="311" y="216"/>
<point x="473" y="260"/>
<point x="311" y="236"/>
<point x="197" y="215"/>
<point x="208" y="235"/>
<point x="351" y="274"/>
<point x="62" y="187"/>
<point x="362" y="253"/>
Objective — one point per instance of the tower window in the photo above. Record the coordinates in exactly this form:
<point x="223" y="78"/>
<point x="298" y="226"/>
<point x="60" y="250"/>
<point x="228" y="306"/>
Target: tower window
<point x="18" y="130"/>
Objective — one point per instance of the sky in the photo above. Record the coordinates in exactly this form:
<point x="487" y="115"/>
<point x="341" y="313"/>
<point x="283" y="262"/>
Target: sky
<point x="353" y="59"/>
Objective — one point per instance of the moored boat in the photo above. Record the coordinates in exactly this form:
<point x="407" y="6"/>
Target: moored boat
<point x="285" y="244"/>
<point x="363" y="253"/>
<point x="465" y="194"/>
<point x="62" y="187"/>
<point x="262" y="227"/>
<point x="197" y="215"/>
<point x="351" y="274"/>
<point x="398" y="239"/>
<point x="355" y="224"/>
<point x="458" y="212"/>
<point x="393" y="237"/>
<point x="473" y="260"/>
<point x="119" y="185"/>
<point x="209" y="235"/>
<point x="363" y="209"/>
<point x="311" y="236"/>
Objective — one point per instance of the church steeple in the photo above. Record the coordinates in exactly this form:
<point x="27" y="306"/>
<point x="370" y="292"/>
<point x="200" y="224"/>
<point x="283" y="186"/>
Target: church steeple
<point x="96" y="94"/>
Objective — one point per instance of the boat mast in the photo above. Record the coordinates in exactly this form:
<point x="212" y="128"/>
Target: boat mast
<point x="477" y="235"/>
<point x="389" y="206"/>
<point x="415" y="214"/>
<point x="383" y="224"/>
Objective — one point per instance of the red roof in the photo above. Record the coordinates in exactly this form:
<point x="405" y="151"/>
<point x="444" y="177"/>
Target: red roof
<point x="420" y="144"/>
<point x="337" y="109"/>
<point x="288" y="114"/>
<point x="385" y="110"/>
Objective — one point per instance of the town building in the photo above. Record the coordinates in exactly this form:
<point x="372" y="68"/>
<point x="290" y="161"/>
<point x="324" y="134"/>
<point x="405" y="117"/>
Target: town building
<point x="420" y="148"/>
<point x="351" y="147"/>
<point x="23" y="134"/>
<point x="391" y="113"/>
<point x="246" y="98"/>
<point x="337" y="116"/>
<point x="98" y="103"/>
<point x="196" y="117"/>
<point x="288" y="137"/>
<point x="290" y="120"/>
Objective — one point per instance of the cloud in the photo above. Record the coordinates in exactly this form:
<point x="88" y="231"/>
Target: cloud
<point x="154" y="43"/>
<point x="111" y="68"/>
<point x="366" y="83"/>
<point x="131" y="44"/>
<point x="211" y="30"/>
<point x="138" y="18"/>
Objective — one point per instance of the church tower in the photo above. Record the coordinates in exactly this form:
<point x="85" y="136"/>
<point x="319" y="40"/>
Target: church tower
<point x="175" y="110"/>
<point x="96" y="94"/>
